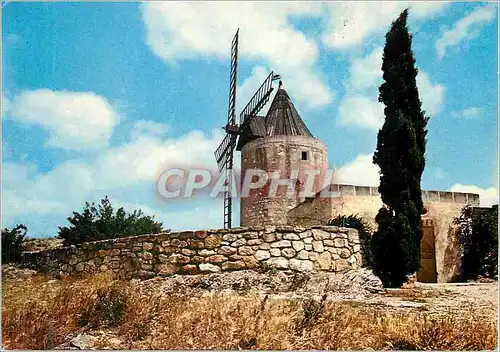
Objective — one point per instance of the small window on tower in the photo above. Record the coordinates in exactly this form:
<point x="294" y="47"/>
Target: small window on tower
<point x="304" y="155"/>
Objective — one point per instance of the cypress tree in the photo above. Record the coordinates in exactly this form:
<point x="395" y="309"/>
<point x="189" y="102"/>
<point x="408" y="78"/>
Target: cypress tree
<point x="400" y="156"/>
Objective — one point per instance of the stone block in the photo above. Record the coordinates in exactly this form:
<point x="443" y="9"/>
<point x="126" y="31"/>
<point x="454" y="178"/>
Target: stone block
<point x="229" y="237"/>
<point x="340" y="265"/>
<point x="288" y="253"/>
<point x="301" y="265"/>
<point x="245" y="250"/>
<point x="344" y="253"/>
<point x="79" y="267"/>
<point x="189" y="269"/>
<point x="212" y="241"/>
<point x="328" y="243"/>
<point x="201" y="234"/>
<point x="281" y="244"/>
<point x="303" y="255"/>
<point x="324" y="261"/>
<point x="147" y="255"/>
<point x="340" y="242"/>
<point x="320" y="235"/>
<point x="239" y="243"/>
<point x="209" y="268"/>
<point x="308" y="247"/>
<point x="305" y="234"/>
<point x="188" y="252"/>
<point x="291" y="236"/>
<point x="318" y="246"/>
<point x="262" y="255"/>
<point x="352" y="234"/>
<point x="278" y="263"/>
<point x="165" y="243"/>
<point x="265" y="246"/>
<point x="197" y="259"/>
<point x="196" y="244"/>
<point x="275" y="252"/>
<point x="269" y="237"/>
<point x="298" y="245"/>
<point x="229" y="266"/>
<point x="217" y="259"/>
<point x="254" y="242"/>
<point x="225" y="250"/>
<point x="250" y="235"/>
<point x="147" y="246"/>
<point x="179" y="259"/>
<point x="207" y="252"/>
<point x="251" y="262"/>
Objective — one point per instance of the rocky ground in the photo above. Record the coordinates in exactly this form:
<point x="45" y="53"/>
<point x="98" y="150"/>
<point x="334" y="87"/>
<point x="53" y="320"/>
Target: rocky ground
<point x="356" y="288"/>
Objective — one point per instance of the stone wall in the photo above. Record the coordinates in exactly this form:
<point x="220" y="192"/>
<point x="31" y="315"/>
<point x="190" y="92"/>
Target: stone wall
<point x="442" y="207"/>
<point x="322" y="248"/>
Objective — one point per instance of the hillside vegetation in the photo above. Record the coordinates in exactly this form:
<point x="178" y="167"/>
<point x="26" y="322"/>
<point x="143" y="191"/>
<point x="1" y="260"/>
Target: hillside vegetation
<point x="43" y="313"/>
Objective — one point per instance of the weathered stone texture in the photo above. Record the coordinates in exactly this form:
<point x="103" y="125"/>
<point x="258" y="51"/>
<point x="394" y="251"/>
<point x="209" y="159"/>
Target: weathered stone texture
<point x="442" y="207"/>
<point x="283" y="248"/>
<point x="282" y="154"/>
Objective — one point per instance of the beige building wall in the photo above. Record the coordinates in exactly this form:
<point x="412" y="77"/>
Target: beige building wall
<point x="442" y="207"/>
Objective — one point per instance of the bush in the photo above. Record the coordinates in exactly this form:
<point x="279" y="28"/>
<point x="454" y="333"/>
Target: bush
<point x="12" y="243"/>
<point x="351" y="221"/>
<point x="107" y="310"/>
<point x="478" y="231"/>
<point x="100" y="223"/>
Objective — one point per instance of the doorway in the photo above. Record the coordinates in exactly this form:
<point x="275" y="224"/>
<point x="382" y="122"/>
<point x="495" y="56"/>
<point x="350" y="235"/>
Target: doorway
<point x="427" y="271"/>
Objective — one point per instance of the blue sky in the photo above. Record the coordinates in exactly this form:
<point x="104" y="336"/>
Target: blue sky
<point x="98" y="98"/>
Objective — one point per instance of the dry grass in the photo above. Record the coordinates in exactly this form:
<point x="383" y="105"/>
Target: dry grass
<point x="39" y="315"/>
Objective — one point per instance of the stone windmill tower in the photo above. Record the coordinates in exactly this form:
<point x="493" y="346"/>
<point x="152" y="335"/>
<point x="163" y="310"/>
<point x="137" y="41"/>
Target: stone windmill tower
<point x="278" y="143"/>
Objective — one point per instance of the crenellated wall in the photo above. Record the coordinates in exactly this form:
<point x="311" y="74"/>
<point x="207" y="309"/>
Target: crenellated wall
<point x="321" y="248"/>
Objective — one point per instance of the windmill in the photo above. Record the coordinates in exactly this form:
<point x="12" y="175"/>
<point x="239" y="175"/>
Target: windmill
<point x="224" y="154"/>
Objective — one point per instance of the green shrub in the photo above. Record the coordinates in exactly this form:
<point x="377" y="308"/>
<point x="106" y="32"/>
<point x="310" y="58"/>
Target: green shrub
<point x="478" y="231"/>
<point x="107" y="310"/>
<point x="351" y="221"/>
<point x="12" y="243"/>
<point x="101" y="222"/>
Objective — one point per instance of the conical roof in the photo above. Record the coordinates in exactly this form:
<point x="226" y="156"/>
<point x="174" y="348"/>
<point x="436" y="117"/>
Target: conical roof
<point x="282" y="117"/>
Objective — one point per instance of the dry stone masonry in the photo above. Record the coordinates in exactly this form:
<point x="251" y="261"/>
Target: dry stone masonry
<point x="320" y="248"/>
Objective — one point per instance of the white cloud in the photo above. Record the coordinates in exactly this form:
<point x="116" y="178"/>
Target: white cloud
<point x="360" y="107"/>
<point x="127" y="174"/>
<point x="176" y="31"/>
<point x="361" y="111"/>
<point x="349" y="24"/>
<point x="146" y="127"/>
<point x="360" y="171"/>
<point x="465" y="29"/>
<point x="366" y="72"/>
<point x="431" y="95"/>
<point x="487" y="196"/>
<point x="6" y="104"/>
<point x="468" y="113"/>
<point x="75" y="120"/>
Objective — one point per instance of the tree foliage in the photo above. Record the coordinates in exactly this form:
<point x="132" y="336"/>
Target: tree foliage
<point x="400" y="156"/>
<point x="478" y="231"/>
<point x="12" y="243"/>
<point x="352" y="221"/>
<point x="102" y="222"/>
